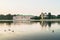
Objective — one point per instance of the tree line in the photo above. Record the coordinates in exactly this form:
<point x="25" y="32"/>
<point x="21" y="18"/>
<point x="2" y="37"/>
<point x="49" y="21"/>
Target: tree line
<point x="48" y="16"/>
<point x="6" y="17"/>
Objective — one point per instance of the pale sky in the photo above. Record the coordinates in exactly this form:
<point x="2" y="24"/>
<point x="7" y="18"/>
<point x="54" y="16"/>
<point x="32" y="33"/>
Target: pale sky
<point x="29" y="7"/>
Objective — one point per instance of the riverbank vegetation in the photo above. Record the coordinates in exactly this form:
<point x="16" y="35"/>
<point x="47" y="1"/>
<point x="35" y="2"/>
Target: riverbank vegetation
<point x="47" y="16"/>
<point x="6" y="17"/>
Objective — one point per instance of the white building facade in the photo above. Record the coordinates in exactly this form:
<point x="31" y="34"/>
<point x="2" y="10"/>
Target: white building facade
<point x="22" y="17"/>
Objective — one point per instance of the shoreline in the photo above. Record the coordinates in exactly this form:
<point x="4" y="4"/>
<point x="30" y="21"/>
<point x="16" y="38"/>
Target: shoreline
<point x="34" y="20"/>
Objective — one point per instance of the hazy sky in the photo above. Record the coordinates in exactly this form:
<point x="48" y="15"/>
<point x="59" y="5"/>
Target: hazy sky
<point x="32" y="7"/>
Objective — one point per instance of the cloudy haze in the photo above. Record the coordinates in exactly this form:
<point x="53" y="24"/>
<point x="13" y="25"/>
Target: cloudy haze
<point x="31" y="7"/>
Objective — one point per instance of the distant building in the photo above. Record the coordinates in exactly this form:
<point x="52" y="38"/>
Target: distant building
<point x="22" y="17"/>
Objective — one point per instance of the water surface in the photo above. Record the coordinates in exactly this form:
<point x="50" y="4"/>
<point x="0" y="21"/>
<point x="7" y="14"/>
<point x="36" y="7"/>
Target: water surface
<point x="30" y="30"/>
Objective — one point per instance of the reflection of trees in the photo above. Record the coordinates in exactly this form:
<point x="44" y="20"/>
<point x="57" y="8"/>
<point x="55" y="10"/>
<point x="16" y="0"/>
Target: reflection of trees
<point x="47" y="23"/>
<point x="6" y="27"/>
<point x="58" y="22"/>
<point x="7" y="22"/>
<point x="42" y="23"/>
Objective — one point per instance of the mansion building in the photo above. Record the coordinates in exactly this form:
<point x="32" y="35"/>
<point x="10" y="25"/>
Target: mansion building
<point x="22" y="17"/>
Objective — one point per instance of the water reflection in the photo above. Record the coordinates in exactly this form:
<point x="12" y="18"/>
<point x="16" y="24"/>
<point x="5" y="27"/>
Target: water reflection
<point x="42" y="24"/>
<point x="30" y="30"/>
<point x="47" y="23"/>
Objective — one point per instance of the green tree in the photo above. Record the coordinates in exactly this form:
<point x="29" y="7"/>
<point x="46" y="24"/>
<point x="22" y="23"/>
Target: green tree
<point x="9" y="17"/>
<point x="49" y="15"/>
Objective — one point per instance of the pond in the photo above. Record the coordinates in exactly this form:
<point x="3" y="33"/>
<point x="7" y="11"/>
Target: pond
<point x="43" y="30"/>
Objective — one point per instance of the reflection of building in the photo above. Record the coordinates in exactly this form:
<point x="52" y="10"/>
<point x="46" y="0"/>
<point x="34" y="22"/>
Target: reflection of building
<point x="22" y="17"/>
